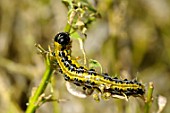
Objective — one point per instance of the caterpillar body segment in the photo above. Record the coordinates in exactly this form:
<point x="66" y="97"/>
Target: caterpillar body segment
<point x="89" y="79"/>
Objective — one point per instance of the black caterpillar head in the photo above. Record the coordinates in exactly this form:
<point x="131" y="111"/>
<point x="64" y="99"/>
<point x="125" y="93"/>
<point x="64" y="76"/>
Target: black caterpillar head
<point x="62" y="38"/>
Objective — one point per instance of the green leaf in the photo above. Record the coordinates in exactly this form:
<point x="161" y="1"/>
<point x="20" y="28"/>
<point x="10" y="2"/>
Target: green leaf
<point x="75" y="35"/>
<point x="95" y="64"/>
<point x="68" y="3"/>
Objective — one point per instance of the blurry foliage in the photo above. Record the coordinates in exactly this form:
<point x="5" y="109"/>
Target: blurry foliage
<point x="131" y="39"/>
<point x="80" y="15"/>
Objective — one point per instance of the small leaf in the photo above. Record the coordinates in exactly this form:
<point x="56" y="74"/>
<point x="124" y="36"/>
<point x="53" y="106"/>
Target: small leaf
<point x="75" y="35"/>
<point x="94" y="64"/>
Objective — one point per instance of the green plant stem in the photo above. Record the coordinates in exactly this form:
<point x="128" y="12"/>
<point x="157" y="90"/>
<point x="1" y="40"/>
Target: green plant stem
<point x="67" y="28"/>
<point x="149" y="97"/>
<point x="33" y="102"/>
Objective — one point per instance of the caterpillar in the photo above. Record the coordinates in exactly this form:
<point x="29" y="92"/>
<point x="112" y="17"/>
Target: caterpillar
<point x="105" y="85"/>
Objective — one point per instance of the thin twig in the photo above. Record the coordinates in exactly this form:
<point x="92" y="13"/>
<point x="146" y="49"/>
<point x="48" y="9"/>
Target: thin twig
<point x="149" y="99"/>
<point x="33" y="105"/>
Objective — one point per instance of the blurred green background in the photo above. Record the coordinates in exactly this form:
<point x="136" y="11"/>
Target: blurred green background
<point x="132" y="39"/>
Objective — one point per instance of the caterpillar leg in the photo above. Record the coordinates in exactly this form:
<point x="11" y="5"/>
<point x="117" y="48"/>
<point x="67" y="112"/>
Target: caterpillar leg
<point x="106" y="96"/>
<point x="96" y="97"/>
<point x="88" y="91"/>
